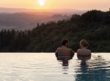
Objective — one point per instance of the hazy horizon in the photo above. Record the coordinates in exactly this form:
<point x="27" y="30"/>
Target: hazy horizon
<point x="37" y="11"/>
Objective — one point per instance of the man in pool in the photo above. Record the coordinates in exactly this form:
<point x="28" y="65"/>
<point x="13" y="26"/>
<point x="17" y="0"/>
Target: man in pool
<point x="64" y="53"/>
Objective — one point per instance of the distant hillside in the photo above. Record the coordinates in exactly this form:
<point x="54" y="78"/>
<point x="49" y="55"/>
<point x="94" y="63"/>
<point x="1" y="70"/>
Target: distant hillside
<point x="22" y="19"/>
<point x="26" y="21"/>
<point x="94" y="26"/>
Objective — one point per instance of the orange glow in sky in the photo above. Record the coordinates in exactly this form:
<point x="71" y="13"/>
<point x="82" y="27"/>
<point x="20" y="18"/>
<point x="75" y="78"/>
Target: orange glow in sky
<point x="57" y="4"/>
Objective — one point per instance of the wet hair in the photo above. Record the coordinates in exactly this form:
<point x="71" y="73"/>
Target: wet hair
<point x="64" y="41"/>
<point x="84" y="43"/>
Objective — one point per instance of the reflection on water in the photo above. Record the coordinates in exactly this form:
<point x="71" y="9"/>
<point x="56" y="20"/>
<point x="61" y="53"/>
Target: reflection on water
<point x="92" y="74"/>
<point x="96" y="70"/>
<point x="45" y="67"/>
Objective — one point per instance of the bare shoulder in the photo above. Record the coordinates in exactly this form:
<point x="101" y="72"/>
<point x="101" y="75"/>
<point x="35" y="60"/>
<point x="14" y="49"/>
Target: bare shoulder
<point x="78" y="50"/>
<point x="89" y="50"/>
<point x="70" y="49"/>
<point x="58" y="48"/>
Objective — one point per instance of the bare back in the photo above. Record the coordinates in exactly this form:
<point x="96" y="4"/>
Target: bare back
<point x="64" y="51"/>
<point x="83" y="51"/>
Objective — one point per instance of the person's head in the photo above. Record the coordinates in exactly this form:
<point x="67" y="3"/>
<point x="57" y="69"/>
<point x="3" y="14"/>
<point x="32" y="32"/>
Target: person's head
<point x="84" y="43"/>
<point x="65" y="42"/>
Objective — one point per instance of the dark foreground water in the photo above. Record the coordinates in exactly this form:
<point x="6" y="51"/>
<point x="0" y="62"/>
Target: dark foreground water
<point x="45" y="67"/>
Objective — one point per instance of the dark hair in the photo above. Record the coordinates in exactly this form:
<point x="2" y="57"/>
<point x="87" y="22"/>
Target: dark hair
<point x="84" y="43"/>
<point x="64" y="41"/>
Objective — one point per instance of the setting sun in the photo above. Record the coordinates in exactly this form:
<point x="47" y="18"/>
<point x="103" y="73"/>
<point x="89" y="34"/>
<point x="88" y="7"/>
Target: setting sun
<point x="41" y="2"/>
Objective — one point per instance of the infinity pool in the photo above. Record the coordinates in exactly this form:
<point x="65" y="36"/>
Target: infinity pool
<point x="45" y="67"/>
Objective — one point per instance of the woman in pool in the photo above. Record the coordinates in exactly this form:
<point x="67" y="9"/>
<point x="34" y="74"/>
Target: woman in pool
<point x="83" y="54"/>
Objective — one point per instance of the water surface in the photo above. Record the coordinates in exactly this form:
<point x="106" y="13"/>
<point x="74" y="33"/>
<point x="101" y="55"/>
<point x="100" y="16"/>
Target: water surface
<point x="45" y="67"/>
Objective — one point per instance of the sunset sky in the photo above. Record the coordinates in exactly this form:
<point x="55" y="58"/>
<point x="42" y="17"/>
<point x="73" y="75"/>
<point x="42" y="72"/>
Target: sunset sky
<point x="57" y="4"/>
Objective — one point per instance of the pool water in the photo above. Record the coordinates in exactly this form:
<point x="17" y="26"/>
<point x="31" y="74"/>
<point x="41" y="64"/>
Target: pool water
<point x="45" y="67"/>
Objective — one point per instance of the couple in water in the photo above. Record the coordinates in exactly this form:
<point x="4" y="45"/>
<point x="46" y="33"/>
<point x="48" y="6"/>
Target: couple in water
<point x="65" y="54"/>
